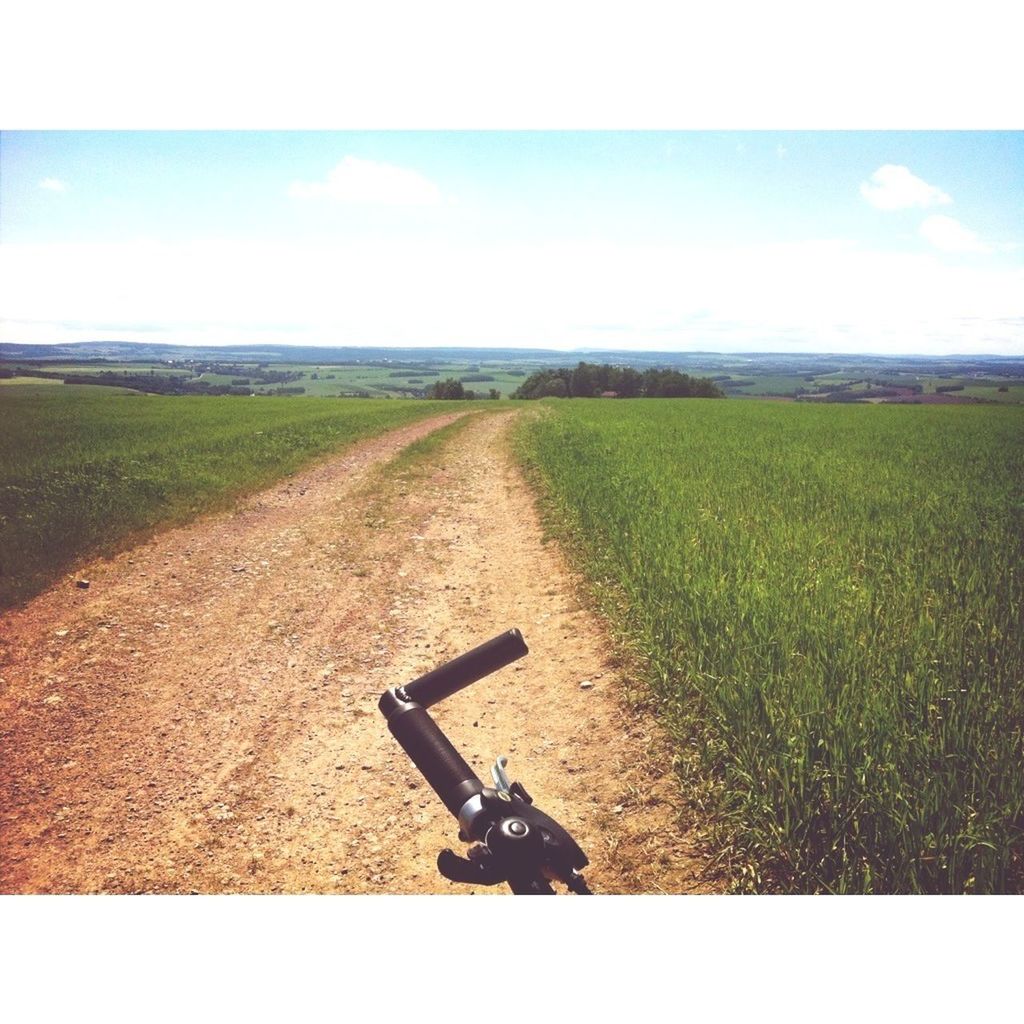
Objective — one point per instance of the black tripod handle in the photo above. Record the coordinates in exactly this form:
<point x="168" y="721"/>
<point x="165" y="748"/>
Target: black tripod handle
<point x="467" y="668"/>
<point x="421" y="737"/>
<point x="432" y="752"/>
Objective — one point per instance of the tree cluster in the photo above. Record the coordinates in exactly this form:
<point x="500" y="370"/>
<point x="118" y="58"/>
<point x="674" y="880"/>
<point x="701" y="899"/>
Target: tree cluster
<point x="452" y="389"/>
<point x="260" y="375"/>
<point x="592" y="380"/>
<point x="157" y="384"/>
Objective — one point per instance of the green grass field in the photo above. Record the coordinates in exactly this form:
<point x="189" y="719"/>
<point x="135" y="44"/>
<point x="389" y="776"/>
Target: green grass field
<point x="83" y="468"/>
<point x="18" y="382"/>
<point x="93" y="369"/>
<point x="827" y="602"/>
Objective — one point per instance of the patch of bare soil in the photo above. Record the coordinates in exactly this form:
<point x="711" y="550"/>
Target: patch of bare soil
<point x="203" y="717"/>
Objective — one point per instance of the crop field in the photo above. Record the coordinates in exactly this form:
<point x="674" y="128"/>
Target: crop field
<point x="82" y="468"/>
<point x="87" y="369"/>
<point x="17" y="382"/>
<point x="827" y="602"/>
<point x="407" y="373"/>
<point x="396" y="380"/>
<point x="756" y="381"/>
<point x="380" y="379"/>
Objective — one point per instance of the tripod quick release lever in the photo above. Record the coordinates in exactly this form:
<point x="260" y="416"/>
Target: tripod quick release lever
<point x="513" y="841"/>
<point x="501" y="782"/>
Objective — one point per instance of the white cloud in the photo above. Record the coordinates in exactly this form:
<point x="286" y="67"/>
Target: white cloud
<point x="369" y="182"/>
<point x="949" y="235"/>
<point x="408" y="291"/>
<point x="893" y="187"/>
<point x="53" y="185"/>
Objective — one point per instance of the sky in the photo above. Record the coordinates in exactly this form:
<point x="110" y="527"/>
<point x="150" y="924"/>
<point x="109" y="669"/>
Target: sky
<point x="874" y="242"/>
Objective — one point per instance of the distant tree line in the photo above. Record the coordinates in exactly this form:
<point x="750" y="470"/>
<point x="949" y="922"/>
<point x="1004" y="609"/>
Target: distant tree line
<point x="152" y="383"/>
<point x="452" y="389"/>
<point x="860" y="396"/>
<point x="843" y="391"/>
<point x="164" y="385"/>
<point x="260" y="375"/>
<point x="593" y="380"/>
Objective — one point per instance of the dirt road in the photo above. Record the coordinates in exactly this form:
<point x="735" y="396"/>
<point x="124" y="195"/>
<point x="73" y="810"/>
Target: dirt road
<point x="203" y="717"/>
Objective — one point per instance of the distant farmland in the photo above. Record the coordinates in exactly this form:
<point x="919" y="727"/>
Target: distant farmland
<point x="406" y="373"/>
<point x="383" y="379"/>
<point x="827" y="603"/>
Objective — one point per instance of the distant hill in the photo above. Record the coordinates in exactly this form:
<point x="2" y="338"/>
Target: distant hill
<point x="127" y="351"/>
<point x="730" y="362"/>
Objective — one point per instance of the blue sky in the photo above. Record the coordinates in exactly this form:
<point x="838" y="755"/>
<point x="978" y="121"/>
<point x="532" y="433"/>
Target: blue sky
<point x="741" y="241"/>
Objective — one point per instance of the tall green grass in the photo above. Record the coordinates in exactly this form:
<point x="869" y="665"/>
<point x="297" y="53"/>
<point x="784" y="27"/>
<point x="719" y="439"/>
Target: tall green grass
<point x="81" y="469"/>
<point x="828" y="601"/>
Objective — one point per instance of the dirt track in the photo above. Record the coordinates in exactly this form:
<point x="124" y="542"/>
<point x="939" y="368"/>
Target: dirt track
<point x="203" y="717"/>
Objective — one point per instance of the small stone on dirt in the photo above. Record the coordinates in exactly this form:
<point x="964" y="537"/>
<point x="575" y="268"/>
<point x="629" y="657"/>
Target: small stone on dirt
<point x="586" y="685"/>
<point x="82" y="584"/>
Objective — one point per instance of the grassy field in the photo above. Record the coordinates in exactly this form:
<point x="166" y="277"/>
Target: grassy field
<point x="827" y="602"/>
<point x="83" y="468"/>
<point x="1012" y="393"/>
<point x="94" y="369"/>
<point x="18" y="382"/>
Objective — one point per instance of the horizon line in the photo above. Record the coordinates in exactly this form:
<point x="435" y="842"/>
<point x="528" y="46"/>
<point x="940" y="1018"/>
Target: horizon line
<point x="512" y="348"/>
